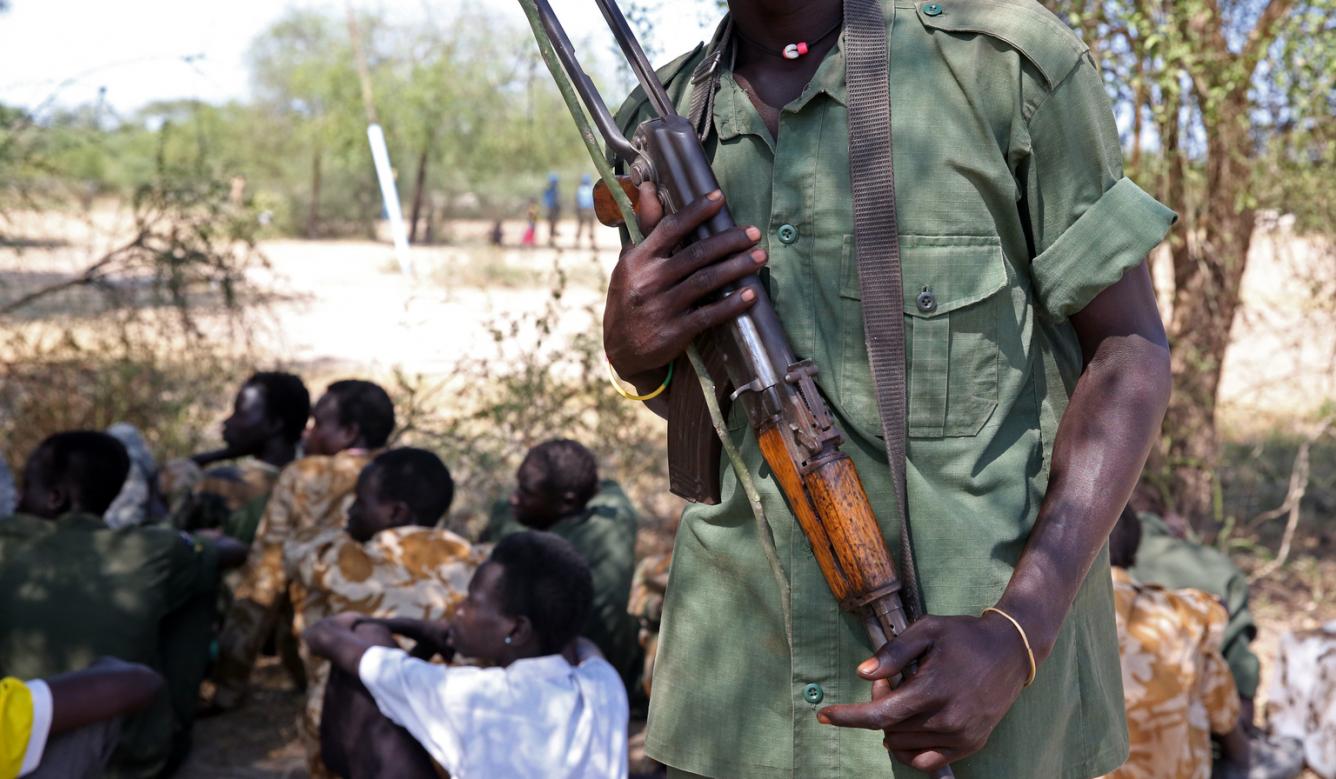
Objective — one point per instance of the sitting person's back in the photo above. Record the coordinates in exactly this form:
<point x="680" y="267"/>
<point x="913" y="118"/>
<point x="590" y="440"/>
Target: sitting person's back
<point x="389" y="561"/>
<point x="76" y="590"/>
<point x="351" y="419"/>
<point x="549" y="706"/>
<point x="1172" y="561"/>
<point x="558" y="490"/>
<point x="1176" y="685"/>
<point x="228" y="488"/>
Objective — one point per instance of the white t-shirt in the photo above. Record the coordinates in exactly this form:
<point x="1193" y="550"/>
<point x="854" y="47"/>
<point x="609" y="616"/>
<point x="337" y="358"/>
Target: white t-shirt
<point x="539" y="717"/>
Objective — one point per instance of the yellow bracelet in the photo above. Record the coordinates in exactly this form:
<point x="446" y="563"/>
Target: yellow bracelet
<point x="616" y="384"/>
<point x="1024" y="639"/>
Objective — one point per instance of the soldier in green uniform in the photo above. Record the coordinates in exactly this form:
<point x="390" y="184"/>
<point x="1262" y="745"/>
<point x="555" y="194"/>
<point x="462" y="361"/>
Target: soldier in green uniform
<point x="557" y="489"/>
<point x="1037" y="377"/>
<point x="76" y="590"/>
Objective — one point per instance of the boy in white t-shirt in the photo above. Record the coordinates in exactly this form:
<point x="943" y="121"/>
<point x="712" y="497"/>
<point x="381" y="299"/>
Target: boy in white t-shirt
<point x="548" y="706"/>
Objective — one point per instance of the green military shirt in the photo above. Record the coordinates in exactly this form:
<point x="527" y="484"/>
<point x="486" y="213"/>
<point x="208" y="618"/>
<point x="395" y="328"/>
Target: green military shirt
<point x="76" y="590"/>
<point x="605" y="535"/>
<point x="1169" y="561"/>
<point x="1014" y="213"/>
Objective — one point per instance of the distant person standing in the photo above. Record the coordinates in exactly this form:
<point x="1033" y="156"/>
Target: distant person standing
<point x="584" y="209"/>
<point x="552" y="203"/>
<point x="531" y="231"/>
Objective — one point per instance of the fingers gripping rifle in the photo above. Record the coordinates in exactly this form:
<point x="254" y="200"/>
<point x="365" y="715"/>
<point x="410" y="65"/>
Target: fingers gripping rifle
<point x="793" y="425"/>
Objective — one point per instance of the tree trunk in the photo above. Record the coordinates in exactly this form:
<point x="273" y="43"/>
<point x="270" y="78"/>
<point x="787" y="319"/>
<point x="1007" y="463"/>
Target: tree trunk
<point x="1208" y="271"/>
<point x="1138" y="100"/>
<point x="313" y="214"/>
<point x="418" y="188"/>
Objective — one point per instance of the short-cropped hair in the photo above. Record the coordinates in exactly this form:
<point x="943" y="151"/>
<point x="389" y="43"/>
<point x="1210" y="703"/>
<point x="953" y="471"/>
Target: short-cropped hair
<point x="366" y="405"/>
<point x="566" y="467"/>
<point x="416" y="477"/>
<point x="91" y="466"/>
<point x="286" y="399"/>
<point x="545" y="579"/>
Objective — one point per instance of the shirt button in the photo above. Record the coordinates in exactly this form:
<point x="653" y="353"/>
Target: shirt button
<point x="787" y="233"/>
<point x="813" y="693"/>
<point x="927" y="302"/>
<point x="933" y="9"/>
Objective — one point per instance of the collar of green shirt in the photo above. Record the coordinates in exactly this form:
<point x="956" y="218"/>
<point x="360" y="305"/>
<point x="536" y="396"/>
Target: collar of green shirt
<point x="734" y="114"/>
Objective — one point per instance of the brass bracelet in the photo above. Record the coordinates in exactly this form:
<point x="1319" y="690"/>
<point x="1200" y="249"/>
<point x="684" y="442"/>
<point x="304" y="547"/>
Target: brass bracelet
<point x="615" y="380"/>
<point x="1024" y="639"/>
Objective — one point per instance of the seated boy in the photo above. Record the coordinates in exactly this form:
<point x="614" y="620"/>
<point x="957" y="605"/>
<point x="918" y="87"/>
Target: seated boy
<point x="350" y="420"/>
<point x="65" y="727"/>
<point x="548" y="705"/>
<point x="76" y="590"/>
<point x="1176" y="684"/>
<point x="557" y="489"/>
<point x="1167" y="558"/>
<point x="389" y="561"/>
<point x="260" y="437"/>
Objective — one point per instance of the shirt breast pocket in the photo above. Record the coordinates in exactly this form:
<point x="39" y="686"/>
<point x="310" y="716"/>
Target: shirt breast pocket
<point x="953" y="294"/>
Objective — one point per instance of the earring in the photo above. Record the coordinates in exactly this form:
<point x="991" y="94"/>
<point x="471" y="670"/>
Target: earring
<point x="507" y="639"/>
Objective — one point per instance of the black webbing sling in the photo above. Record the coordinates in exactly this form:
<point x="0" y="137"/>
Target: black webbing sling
<point x="876" y="233"/>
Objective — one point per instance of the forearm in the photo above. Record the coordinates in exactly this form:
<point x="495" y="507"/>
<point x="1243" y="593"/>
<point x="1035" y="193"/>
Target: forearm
<point x="343" y="643"/>
<point x="1099" y="451"/>
<point x="432" y="637"/>
<point x="109" y="688"/>
<point x="416" y="629"/>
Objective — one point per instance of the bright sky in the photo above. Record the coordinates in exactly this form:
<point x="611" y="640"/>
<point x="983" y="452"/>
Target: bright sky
<point x="137" y="48"/>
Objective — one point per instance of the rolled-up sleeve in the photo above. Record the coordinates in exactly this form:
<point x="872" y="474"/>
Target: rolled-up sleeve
<point x="1089" y="222"/>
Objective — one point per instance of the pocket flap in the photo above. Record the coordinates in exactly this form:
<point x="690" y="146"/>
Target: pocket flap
<point x="940" y="273"/>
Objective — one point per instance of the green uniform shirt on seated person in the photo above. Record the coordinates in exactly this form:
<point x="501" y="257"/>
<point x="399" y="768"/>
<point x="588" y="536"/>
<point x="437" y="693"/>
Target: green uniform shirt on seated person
<point x="76" y="590"/>
<point x="1013" y="214"/>
<point x="1169" y="561"/>
<point x="605" y="535"/>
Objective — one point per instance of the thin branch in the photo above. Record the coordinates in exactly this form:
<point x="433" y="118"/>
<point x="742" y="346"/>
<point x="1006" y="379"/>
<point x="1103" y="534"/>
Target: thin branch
<point x="1263" y="34"/>
<point x="91" y="275"/>
<point x="1293" y="501"/>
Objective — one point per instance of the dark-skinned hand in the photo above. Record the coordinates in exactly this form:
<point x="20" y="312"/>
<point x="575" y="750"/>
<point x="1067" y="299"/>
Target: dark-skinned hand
<point x="970" y="671"/>
<point x="654" y="307"/>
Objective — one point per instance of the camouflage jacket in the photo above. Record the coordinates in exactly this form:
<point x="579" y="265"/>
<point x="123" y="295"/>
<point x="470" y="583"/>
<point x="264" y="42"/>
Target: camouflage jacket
<point x="648" y="588"/>
<point x="218" y="497"/>
<point x="414" y="572"/>
<point x="312" y="493"/>
<point x="1176" y="684"/>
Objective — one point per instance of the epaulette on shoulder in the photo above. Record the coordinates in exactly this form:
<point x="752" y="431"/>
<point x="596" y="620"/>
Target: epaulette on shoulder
<point x="674" y="77"/>
<point x="1024" y="25"/>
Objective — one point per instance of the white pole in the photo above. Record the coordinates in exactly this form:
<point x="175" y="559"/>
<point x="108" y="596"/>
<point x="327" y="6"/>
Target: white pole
<point x="380" y="154"/>
<point x="385" y="174"/>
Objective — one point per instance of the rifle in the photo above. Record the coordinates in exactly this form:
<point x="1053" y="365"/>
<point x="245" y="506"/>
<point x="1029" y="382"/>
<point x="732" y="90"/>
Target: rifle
<point x="792" y="423"/>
